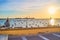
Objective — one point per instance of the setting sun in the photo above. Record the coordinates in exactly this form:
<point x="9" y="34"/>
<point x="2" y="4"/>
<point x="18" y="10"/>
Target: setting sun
<point x="52" y="10"/>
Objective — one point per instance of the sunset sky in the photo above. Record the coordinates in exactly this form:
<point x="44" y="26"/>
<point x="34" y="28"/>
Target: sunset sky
<point x="29" y="8"/>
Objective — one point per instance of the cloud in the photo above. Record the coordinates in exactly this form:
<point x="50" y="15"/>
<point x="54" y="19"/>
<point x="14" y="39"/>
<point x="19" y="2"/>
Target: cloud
<point x="26" y="5"/>
<point x="16" y="5"/>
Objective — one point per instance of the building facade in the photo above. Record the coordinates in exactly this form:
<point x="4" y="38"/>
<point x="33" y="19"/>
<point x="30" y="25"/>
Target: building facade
<point x="30" y="22"/>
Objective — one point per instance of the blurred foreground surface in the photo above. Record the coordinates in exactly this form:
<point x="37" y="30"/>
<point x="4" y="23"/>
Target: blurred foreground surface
<point x="44" y="36"/>
<point x="39" y="36"/>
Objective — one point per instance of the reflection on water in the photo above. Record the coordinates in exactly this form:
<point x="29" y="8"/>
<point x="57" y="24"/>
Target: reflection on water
<point x="3" y="37"/>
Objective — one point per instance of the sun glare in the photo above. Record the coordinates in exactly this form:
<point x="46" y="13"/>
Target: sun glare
<point x="52" y="10"/>
<point x="52" y="21"/>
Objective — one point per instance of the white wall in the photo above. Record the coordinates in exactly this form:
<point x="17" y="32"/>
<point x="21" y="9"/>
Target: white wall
<point x="29" y="23"/>
<point x="57" y="22"/>
<point x="26" y="22"/>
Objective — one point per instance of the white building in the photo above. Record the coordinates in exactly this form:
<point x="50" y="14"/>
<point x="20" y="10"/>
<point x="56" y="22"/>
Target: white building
<point x="29" y="22"/>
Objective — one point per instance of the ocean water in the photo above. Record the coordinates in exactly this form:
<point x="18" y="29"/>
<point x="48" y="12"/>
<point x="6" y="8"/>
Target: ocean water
<point x="2" y="22"/>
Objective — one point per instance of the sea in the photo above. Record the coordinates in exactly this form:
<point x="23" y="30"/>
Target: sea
<point x="2" y="21"/>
